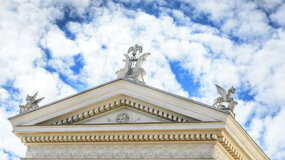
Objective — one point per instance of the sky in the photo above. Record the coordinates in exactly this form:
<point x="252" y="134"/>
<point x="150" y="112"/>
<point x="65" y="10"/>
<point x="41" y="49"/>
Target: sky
<point x="62" y="47"/>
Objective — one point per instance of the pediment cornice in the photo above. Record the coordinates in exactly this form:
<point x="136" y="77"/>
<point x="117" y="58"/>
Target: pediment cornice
<point x="117" y="88"/>
<point x="96" y="110"/>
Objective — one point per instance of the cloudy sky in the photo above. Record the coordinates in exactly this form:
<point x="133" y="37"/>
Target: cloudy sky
<point x="62" y="47"/>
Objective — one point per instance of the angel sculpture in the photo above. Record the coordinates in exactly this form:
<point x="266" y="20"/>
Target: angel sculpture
<point x="225" y="97"/>
<point x="135" y="49"/>
<point x="32" y="103"/>
<point x="138" y="71"/>
<point x="124" y="71"/>
<point x="133" y="66"/>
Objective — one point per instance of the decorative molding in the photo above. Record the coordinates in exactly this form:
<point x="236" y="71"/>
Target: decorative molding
<point x="121" y="138"/>
<point x="94" y="111"/>
<point x="220" y="153"/>
<point x="146" y="137"/>
<point x="230" y="147"/>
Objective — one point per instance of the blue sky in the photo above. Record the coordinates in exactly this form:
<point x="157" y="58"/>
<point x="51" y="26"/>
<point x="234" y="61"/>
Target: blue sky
<point x="62" y="47"/>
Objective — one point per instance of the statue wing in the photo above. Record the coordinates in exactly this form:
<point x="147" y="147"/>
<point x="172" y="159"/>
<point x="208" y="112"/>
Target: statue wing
<point x="221" y="91"/>
<point x="38" y="100"/>
<point x="131" y="49"/>
<point x="127" y="61"/>
<point x="141" y="60"/>
<point x="140" y="49"/>
<point x="33" y="98"/>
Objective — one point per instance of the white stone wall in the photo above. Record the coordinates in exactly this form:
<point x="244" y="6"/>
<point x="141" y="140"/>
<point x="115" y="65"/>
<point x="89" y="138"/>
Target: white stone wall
<point x="125" y="151"/>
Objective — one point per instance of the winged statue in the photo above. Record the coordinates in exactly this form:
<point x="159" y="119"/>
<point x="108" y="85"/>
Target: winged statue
<point x="32" y="103"/>
<point x="123" y="72"/>
<point x="134" y="49"/>
<point x="133" y="66"/>
<point x="225" y="97"/>
<point x="139" y="72"/>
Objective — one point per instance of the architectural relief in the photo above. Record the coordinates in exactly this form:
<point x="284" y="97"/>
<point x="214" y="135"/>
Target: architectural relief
<point x="122" y="118"/>
<point x="32" y="103"/>
<point x="123" y="151"/>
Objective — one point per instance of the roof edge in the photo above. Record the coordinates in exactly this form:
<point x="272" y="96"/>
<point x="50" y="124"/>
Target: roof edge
<point x="112" y="81"/>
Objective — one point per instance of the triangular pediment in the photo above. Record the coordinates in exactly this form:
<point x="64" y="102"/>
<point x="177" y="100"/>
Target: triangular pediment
<point x="152" y="104"/>
<point x="116" y="110"/>
<point x="123" y="114"/>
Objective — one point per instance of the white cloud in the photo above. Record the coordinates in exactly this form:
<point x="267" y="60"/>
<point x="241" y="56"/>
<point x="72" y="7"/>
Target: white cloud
<point x="279" y="16"/>
<point x="117" y="32"/>
<point x="22" y="26"/>
<point x="274" y="135"/>
<point x="241" y="19"/>
<point x="266" y="72"/>
<point x="3" y="155"/>
<point x="268" y="5"/>
<point x="9" y="142"/>
<point x="58" y="44"/>
<point x="4" y="95"/>
<point x="244" y="111"/>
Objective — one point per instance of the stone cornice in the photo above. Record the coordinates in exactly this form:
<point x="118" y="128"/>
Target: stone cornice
<point x="119" y="127"/>
<point x="115" y="81"/>
<point x="119" y="102"/>
<point x="115" y="89"/>
<point x="235" y="134"/>
<point x="160" y="132"/>
<point x="142" y="136"/>
<point x="121" y="138"/>
<point x="235" y="151"/>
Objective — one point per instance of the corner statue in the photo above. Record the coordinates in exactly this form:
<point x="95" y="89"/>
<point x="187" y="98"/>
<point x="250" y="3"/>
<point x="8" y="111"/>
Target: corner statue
<point x="133" y="66"/>
<point x="32" y="103"/>
<point x="225" y="97"/>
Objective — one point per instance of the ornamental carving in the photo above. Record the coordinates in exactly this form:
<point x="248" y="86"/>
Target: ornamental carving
<point x="123" y="118"/>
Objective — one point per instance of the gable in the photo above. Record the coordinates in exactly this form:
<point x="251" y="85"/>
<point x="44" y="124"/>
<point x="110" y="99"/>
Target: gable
<point x="106" y="112"/>
<point x="116" y="94"/>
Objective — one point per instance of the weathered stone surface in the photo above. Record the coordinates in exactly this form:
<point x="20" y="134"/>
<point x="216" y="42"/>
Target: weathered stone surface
<point x="138" y="151"/>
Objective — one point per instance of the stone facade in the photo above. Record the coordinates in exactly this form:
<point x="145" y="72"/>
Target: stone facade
<point x="123" y="151"/>
<point x="127" y="120"/>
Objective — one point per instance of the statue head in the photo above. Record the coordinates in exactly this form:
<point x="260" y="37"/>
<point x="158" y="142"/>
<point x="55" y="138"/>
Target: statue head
<point x="232" y="90"/>
<point x="28" y="97"/>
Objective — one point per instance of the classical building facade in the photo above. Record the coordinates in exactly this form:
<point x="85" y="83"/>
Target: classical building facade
<point x="127" y="119"/>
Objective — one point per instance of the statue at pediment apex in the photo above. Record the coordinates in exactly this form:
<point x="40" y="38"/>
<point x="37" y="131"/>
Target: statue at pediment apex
<point x="133" y="66"/>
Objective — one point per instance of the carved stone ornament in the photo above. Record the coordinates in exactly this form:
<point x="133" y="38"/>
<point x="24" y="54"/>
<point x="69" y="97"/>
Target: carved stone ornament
<point x="32" y="103"/>
<point x="133" y="66"/>
<point x="122" y="118"/>
<point x="226" y="97"/>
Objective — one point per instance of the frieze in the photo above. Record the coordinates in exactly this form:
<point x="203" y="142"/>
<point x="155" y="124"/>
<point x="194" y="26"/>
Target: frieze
<point x="197" y="151"/>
